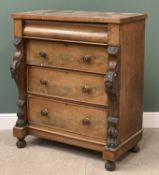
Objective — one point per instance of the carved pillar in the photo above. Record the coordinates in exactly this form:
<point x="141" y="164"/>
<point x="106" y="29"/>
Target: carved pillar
<point x="112" y="87"/>
<point x="17" y="69"/>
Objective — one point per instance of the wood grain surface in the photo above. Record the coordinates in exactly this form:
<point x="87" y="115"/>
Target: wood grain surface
<point x="71" y="85"/>
<point x="81" y="57"/>
<point x="93" y="33"/>
<point x="68" y="116"/>
<point x="80" y="16"/>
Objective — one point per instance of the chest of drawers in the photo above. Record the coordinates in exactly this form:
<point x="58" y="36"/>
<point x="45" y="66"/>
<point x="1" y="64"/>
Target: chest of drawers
<point x="80" y="79"/>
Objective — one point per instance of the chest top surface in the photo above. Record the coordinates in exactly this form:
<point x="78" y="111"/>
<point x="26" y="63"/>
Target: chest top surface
<point x="80" y="16"/>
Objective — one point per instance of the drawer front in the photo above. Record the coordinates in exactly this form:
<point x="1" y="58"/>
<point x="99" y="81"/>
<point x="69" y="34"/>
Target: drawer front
<point x="78" y="119"/>
<point x="84" y="57"/>
<point x="65" y="84"/>
<point x="76" y="32"/>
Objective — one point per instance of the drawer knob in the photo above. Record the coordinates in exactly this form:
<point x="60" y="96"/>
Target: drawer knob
<point x="44" y="112"/>
<point x="42" y="54"/>
<point x="87" y="89"/>
<point x="43" y="82"/>
<point x="87" y="59"/>
<point x="86" y="121"/>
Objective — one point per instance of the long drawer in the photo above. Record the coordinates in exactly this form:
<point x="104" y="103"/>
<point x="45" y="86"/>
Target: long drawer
<point x="83" y="57"/>
<point x="83" y="120"/>
<point x="73" y="32"/>
<point x="69" y="85"/>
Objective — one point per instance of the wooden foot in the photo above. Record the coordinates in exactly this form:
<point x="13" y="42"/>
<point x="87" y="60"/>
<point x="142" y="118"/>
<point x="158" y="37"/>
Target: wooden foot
<point x="110" y="165"/>
<point x="21" y="143"/>
<point x="135" y="149"/>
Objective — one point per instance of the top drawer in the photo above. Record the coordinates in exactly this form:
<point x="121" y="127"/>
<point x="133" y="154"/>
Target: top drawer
<point x="76" y="32"/>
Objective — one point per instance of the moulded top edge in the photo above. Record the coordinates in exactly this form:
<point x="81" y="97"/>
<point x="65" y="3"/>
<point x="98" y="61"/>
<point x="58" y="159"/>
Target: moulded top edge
<point x="80" y="16"/>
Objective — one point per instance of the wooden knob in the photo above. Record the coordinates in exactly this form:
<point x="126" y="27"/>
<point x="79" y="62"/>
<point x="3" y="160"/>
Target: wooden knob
<point x="86" y="121"/>
<point x="42" y="54"/>
<point x="87" y="89"/>
<point x="44" y="112"/>
<point x="43" y="82"/>
<point x="87" y="59"/>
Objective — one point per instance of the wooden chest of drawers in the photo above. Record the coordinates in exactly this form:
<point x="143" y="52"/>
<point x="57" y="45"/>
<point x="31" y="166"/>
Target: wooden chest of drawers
<point x="80" y="79"/>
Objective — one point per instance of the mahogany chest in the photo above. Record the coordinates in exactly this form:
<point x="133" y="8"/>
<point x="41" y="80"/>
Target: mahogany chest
<point x="80" y="79"/>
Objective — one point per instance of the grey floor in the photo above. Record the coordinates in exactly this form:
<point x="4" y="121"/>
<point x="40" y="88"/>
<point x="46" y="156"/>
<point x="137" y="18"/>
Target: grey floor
<point x="42" y="157"/>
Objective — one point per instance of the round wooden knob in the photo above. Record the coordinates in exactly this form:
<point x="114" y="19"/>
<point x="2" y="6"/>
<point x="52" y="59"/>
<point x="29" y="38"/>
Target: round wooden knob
<point x="87" y="59"/>
<point x="44" y="112"/>
<point x="86" y="121"/>
<point x="43" y="82"/>
<point x="87" y="89"/>
<point x="42" y="54"/>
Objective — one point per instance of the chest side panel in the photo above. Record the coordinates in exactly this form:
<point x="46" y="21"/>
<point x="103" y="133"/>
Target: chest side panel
<point x="132" y="77"/>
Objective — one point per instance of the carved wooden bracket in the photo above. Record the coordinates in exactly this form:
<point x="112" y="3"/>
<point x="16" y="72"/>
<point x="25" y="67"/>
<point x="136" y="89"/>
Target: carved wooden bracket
<point x="110" y="78"/>
<point x="113" y="50"/>
<point x="111" y="87"/>
<point x="17" y="58"/>
<point x="17" y="70"/>
<point x="113" y="68"/>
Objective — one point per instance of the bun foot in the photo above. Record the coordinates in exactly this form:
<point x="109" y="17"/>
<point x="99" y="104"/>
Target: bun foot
<point x="21" y="143"/>
<point x="110" y="165"/>
<point x="135" y="149"/>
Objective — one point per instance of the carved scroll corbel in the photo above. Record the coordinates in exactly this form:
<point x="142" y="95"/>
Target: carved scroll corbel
<point x="110" y="77"/>
<point x="111" y="88"/>
<point x="113" y="50"/>
<point x="113" y="68"/>
<point x="17" y="58"/>
<point x="17" y="70"/>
